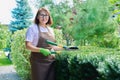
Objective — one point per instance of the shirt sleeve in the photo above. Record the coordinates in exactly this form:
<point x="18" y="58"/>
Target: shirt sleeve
<point x="29" y="35"/>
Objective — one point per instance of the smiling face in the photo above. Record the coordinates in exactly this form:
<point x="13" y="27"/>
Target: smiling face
<point x="43" y="17"/>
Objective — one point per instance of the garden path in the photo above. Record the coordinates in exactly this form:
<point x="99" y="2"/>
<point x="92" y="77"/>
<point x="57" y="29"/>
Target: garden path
<point x="8" y="73"/>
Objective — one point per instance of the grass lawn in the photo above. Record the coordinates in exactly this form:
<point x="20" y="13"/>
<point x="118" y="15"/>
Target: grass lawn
<point x="4" y="61"/>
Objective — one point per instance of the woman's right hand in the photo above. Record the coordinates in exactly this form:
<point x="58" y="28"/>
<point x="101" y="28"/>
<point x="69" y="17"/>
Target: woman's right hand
<point x="45" y="52"/>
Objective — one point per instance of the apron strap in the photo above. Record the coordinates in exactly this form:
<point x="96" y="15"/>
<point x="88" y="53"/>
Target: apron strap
<point x="39" y="32"/>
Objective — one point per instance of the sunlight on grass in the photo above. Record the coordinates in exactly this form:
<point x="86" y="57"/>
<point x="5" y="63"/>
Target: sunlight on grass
<point x="4" y="61"/>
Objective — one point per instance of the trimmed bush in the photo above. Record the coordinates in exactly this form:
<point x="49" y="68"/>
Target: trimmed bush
<point x="59" y="36"/>
<point x="88" y="65"/>
<point x="4" y="36"/>
<point x="62" y="67"/>
<point x="20" y="55"/>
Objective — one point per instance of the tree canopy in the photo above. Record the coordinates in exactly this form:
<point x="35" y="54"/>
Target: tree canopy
<point x="21" y="15"/>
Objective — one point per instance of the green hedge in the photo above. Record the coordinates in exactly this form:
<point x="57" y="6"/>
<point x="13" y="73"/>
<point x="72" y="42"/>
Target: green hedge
<point x="88" y="64"/>
<point x="20" y="55"/>
<point x="4" y="36"/>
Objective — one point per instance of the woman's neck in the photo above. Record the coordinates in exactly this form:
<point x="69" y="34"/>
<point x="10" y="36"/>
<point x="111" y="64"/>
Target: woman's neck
<point x="42" y="25"/>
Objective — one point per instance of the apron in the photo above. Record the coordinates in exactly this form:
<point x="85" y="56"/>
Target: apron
<point x="42" y="67"/>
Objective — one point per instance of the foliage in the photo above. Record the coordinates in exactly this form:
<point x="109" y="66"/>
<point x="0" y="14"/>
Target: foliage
<point x="20" y="56"/>
<point x="61" y="67"/>
<point x="59" y="37"/>
<point x="85" y="22"/>
<point x="112" y="68"/>
<point x="62" y="13"/>
<point x="88" y="64"/>
<point x="116" y="9"/>
<point x="109" y="41"/>
<point x="41" y="3"/>
<point x="84" y="68"/>
<point x="21" y="15"/>
<point x="92" y="20"/>
<point x="4" y="35"/>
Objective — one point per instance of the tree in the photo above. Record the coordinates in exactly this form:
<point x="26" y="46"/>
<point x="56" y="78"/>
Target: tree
<point x="21" y="15"/>
<point x="42" y="3"/>
<point x="62" y="15"/>
<point x="93" y="20"/>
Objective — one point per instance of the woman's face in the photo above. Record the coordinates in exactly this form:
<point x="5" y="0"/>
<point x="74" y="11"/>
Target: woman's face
<point x="43" y="17"/>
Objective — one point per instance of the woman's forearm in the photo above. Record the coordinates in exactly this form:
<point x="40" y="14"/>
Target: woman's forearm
<point x="32" y="48"/>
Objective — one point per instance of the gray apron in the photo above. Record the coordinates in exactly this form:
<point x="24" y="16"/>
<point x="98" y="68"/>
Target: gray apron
<point x="42" y="67"/>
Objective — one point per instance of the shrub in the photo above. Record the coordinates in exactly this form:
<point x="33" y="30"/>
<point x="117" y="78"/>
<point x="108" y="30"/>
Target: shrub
<point x="20" y="56"/>
<point x="4" y="35"/>
<point x="61" y="67"/>
<point x="88" y="64"/>
<point x="111" y="69"/>
<point x="59" y="36"/>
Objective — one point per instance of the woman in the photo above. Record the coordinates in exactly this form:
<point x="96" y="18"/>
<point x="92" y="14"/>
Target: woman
<point x="42" y="61"/>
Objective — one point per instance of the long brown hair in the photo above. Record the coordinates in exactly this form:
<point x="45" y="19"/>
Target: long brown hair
<point x="50" y="21"/>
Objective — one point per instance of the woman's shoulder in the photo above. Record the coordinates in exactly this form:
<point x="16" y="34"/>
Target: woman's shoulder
<point x="32" y="27"/>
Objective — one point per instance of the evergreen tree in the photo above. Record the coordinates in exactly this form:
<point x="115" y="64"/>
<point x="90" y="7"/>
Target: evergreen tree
<point x="21" y="16"/>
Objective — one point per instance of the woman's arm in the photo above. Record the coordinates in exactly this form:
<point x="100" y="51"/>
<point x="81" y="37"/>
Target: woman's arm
<point x="32" y="48"/>
<point x="45" y="52"/>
